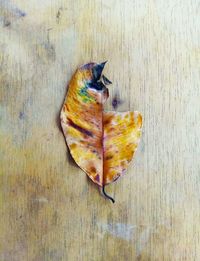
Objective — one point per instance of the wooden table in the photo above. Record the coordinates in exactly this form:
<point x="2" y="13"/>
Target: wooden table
<point x="49" y="209"/>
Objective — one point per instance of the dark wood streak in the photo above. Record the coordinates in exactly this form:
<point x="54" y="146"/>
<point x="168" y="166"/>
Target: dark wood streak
<point x="116" y="101"/>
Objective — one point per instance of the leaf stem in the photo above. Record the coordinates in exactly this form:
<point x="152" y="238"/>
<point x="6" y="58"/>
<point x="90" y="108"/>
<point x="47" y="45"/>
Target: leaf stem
<point x="106" y="195"/>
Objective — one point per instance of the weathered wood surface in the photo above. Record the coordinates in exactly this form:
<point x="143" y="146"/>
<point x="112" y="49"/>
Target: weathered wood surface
<point x="49" y="209"/>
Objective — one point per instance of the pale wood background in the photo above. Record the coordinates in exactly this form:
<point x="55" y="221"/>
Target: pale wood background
<point x="49" y="209"/>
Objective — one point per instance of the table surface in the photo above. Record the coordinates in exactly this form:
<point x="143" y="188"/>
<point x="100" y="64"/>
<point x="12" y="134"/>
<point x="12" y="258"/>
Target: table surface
<point x="49" y="208"/>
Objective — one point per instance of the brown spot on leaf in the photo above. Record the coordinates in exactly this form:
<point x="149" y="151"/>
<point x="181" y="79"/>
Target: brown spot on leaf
<point x="97" y="178"/>
<point x="73" y="146"/>
<point x="109" y="157"/>
<point x="92" y="169"/>
<point x="107" y="120"/>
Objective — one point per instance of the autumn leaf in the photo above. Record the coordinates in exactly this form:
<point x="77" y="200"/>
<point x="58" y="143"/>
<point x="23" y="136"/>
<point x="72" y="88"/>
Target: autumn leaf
<point x="101" y="143"/>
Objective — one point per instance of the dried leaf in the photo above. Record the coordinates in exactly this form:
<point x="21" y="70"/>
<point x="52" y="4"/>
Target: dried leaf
<point x="101" y="143"/>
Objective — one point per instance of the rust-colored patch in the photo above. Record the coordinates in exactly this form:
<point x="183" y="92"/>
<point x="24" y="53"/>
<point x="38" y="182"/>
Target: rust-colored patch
<point x="109" y="157"/>
<point x="93" y="169"/>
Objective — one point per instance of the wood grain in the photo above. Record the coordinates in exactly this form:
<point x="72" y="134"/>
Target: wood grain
<point x="49" y="209"/>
